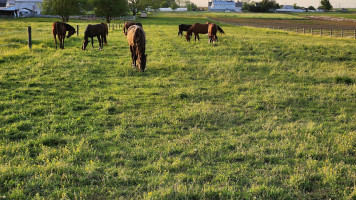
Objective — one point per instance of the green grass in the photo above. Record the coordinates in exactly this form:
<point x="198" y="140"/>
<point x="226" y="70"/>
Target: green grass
<point x="261" y="114"/>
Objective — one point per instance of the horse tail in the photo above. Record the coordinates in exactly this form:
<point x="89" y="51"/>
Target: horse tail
<point x="106" y="29"/>
<point x="220" y="29"/>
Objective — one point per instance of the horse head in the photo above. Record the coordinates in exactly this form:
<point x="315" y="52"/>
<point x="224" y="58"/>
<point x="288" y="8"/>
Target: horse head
<point x="85" y="43"/>
<point x="187" y="37"/>
<point x="142" y="62"/>
<point x="71" y="32"/>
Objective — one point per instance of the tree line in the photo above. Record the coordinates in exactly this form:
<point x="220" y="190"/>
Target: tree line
<point x="116" y="8"/>
<point x="107" y="8"/>
<point x="270" y="5"/>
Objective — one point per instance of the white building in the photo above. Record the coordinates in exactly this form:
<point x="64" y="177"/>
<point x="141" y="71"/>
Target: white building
<point x="289" y="8"/>
<point x="170" y="9"/>
<point x="225" y="6"/>
<point x="10" y="3"/>
<point x="32" y="5"/>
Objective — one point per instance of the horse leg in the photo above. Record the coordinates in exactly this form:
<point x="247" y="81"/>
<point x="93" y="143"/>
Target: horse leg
<point x="100" y="48"/>
<point x="198" y="37"/>
<point x="92" y="42"/>
<point x="132" y="56"/>
<point x="55" y="40"/>
<point x="60" y="41"/>
<point x="63" y="41"/>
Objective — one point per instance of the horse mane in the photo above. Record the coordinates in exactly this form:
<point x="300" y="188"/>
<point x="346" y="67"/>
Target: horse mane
<point x="68" y="27"/>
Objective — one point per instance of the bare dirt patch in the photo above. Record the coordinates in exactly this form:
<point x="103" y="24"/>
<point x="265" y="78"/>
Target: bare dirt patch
<point x="313" y="22"/>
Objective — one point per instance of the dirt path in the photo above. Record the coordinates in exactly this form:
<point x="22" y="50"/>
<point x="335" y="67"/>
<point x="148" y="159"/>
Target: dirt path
<point x="312" y="22"/>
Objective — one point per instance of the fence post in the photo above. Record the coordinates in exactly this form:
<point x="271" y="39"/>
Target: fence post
<point x="297" y="29"/>
<point x="342" y="33"/>
<point x="113" y="26"/>
<point x="321" y="32"/>
<point x="311" y="30"/>
<point x="303" y="30"/>
<point x="331" y="32"/>
<point x="29" y="37"/>
<point x="77" y="30"/>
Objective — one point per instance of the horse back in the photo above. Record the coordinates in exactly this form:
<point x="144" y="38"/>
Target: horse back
<point x="58" y="28"/>
<point x="184" y="27"/>
<point x="136" y="36"/>
<point x="94" y="30"/>
<point x="200" y="28"/>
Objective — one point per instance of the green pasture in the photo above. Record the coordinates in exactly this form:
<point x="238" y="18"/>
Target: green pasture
<point x="261" y="114"/>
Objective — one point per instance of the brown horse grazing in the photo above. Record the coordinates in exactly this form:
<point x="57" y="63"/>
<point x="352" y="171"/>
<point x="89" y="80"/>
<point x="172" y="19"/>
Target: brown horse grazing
<point x="106" y="32"/>
<point x="60" y="29"/>
<point x="196" y="29"/>
<point x="128" y="24"/>
<point x="183" y="27"/>
<point x="97" y="30"/>
<point x="212" y="29"/>
<point x="137" y="40"/>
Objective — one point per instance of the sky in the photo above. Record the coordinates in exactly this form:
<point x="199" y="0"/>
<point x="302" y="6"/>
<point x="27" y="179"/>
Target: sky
<point x="305" y="3"/>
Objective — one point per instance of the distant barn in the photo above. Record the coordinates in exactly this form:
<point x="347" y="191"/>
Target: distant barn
<point x="225" y="6"/>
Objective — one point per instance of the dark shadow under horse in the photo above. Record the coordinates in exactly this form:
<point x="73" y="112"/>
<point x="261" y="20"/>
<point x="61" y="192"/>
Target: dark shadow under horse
<point x="60" y="29"/>
<point x="97" y="30"/>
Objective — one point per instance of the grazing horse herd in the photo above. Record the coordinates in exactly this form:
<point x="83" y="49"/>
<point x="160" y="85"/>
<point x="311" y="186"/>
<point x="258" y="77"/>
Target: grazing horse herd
<point x="136" y="37"/>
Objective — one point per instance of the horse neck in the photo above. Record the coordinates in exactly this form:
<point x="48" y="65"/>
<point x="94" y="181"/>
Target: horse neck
<point x="68" y="27"/>
<point x="189" y="32"/>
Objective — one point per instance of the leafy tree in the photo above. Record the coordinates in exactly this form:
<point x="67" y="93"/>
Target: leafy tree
<point x="296" y="7"/>
<point x="325" y="4"/>
<point x="64" y="8"/>
<point x="174" y="6"/>
<point x="136" y="6"/>
<point x="190" y="6"/>
<point x="263" y="6"/>
<point x="311" y="8"/>
<point x="266" y="5"/>
<point x="110" y="8"/>
<point x="164" y="4"/>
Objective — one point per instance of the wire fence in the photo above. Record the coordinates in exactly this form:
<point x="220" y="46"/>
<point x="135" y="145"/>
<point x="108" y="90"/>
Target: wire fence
<point x="28" y="35"/>
<point x="323" y="32"/>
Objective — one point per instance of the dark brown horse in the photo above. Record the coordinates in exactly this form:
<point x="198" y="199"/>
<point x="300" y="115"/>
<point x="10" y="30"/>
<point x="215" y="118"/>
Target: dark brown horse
<point x="128" y="24"/>
<point x="60" y="29"/>
<point x="97" y="30"/>
<point x="137" y="40"/>
<point x="106" y="32"/>
<point x="196" y="29"/>
<point x="212" y="29"/>
<point x="183" y="27"/>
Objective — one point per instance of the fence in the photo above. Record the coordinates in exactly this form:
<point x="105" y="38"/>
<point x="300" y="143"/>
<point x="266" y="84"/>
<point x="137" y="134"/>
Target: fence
<point x="342" y="33"/>
<point x="29" y="35"/>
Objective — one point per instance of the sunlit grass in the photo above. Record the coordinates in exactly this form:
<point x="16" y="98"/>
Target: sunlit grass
<point x="261" y="114"/>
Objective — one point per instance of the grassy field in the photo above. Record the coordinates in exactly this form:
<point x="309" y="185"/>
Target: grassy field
<point x="262" y="114"/>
